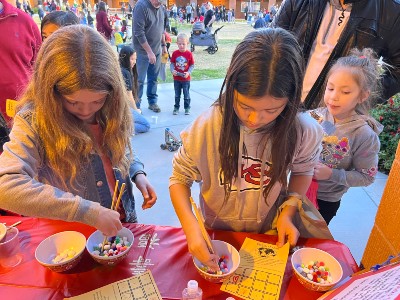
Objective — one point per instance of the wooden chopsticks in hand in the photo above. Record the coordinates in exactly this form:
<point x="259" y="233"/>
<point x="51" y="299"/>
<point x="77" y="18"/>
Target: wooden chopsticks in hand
<point x="201" y="224"/>
<point x="114" y="204"/>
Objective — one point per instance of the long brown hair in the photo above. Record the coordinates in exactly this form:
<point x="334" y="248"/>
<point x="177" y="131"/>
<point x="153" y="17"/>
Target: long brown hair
<point x="266" y="62"/>
<point x="73" y="58"/>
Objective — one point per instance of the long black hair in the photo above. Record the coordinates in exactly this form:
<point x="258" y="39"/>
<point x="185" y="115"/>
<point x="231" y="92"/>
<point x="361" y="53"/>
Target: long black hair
<point x="124" y="60"/>
<point x="267" y="62"/>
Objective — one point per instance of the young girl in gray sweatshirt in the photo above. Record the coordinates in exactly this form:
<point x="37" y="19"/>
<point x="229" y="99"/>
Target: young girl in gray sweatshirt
<point x="350" y="144"/>
<point x="242" y="148"/>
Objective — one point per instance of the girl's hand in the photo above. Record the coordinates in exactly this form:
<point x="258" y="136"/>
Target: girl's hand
<point x="174" y="72"/>
<point x="198" y="248"/>
<point x="186" y="74"/>
<point x="108" y="222"/>
<point x="322" y="172"/>
<point x="147" y="190"/>
<point x="286" y="227"/>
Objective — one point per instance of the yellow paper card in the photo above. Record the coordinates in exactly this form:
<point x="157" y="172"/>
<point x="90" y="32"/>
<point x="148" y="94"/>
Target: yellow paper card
<point x="260" y="272"/>
<point x="11" y="106"/>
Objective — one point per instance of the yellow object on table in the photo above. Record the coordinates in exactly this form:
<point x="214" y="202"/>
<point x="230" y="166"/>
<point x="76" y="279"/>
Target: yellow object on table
<point x="262" y="268"/>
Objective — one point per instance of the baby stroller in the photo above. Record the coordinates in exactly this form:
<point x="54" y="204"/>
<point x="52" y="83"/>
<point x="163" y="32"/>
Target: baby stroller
<point x="200" y="37"/>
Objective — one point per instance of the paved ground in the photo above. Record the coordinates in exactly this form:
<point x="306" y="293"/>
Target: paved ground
<point x="351" y="226"/>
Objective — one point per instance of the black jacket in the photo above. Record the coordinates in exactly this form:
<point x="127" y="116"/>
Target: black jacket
<point x="373" y="23"/>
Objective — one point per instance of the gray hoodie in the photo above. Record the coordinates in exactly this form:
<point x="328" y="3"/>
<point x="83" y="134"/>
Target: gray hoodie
<point x="350" y="147"/>
<point x="198" y="160"/>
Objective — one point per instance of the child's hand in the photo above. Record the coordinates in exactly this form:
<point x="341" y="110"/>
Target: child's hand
<point x="322" y="172"/>
<point x="186" y="74"/>
<point x="148" y="192"/>
<point x="174" y="72"/>
<point x="286" y="227"/>
<point x="108" y="222"/>
<point x="198" y="248"/>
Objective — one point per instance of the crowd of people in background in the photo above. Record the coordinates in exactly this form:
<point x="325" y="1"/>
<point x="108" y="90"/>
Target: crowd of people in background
<point x="176" y="14"/>
<point x="264" y="18"/>
<point x="193" y="13"/>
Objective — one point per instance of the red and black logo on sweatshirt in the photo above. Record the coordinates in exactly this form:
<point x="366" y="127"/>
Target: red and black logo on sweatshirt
<point x="250" y="174"/>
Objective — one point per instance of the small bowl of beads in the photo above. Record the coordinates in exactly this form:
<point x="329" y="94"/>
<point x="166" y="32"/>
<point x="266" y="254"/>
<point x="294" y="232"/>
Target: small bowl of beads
<point x="316" y="270"/>
<point x="229" y="260"/>
<point x="61" y="251"/>
<point x="115" y="249"/>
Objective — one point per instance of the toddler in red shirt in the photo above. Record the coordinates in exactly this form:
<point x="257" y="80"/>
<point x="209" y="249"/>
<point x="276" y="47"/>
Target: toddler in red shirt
<point x="182" y="65"/>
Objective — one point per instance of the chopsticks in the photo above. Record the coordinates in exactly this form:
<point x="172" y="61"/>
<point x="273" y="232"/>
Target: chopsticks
<point x="12" y="225"/>
<point x="203" y="230"/>
<point x="114" y="204"/>
<point x="15" y="224"/>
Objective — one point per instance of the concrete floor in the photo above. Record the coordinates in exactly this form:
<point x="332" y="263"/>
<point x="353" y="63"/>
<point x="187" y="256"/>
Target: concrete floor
<point x="351" y="226"/>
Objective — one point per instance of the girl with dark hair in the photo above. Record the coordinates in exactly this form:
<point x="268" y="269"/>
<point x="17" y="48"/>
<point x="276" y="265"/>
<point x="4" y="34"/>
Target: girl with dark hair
<point x="244" y="146"/>
<point x="56" y="19"/>
<point x="127" y="61"/>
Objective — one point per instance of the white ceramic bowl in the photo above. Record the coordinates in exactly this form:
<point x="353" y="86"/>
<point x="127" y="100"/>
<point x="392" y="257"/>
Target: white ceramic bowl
<point x="221" y="248"/>
<point x="305" y="255"/>
<point x="55" y="244"/>
<point x="97" y="238"/>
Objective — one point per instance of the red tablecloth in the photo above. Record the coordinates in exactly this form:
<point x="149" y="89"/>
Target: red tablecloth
<point x="162" y="249"/>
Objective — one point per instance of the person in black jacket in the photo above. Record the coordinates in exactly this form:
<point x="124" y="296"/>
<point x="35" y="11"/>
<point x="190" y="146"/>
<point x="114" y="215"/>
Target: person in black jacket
<point x="329" y="29"/>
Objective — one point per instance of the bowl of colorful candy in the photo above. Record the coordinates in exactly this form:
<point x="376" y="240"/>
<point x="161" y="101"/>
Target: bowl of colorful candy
<point x="229" y="260"/>
<point x="316" y="270"/>
<point x="115" y="249"/>
<point x="61" y="251"/>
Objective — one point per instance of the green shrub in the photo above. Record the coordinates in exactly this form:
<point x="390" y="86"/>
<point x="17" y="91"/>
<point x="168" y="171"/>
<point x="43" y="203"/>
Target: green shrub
<point x="388" y="115"/>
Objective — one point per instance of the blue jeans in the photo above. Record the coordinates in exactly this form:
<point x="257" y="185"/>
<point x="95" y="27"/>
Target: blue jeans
<point x="151" y="70"/>
<point x="140" y="122"/>
<point x="179" y="86"/>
